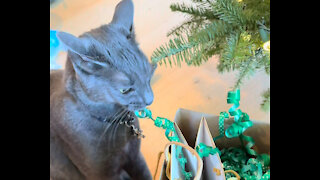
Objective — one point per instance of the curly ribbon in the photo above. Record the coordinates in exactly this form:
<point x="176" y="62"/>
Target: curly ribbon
<point x="234" y="158"/>
<point x="204" y="150"/>
<point x="242" y="121"/>
<point x="222" y="117"/>
<point x="146" y="113"/>
<point x="171" y="135"/>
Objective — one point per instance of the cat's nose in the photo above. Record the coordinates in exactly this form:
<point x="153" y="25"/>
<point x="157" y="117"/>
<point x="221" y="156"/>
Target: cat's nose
<point x="149" y="102"/>
<point x="149" y="98"/>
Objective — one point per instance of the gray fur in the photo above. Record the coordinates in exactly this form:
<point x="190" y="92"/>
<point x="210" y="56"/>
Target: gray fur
<point x="87" y="140"/>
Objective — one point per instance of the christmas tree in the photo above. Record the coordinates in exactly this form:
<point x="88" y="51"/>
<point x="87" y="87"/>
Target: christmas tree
<point x="238" y="31"/>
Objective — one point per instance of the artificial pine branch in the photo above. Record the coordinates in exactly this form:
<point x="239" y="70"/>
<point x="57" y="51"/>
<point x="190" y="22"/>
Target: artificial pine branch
<point x="249" y="67"/>
<point x="229" y="53"/>
<point x="235" y="31"/>
<point x="185" y="46"/>
<point x="245" y="70"/>
<point x="202" y="11"/>
<point x="186" y="27"/>
<point x="229" y="11"/>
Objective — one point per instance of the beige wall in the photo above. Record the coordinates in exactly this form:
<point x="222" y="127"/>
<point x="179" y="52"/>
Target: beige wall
<point x="200" y="89"/>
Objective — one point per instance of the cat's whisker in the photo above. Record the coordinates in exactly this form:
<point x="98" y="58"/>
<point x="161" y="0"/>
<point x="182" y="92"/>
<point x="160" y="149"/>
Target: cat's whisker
<point x="120" y="122"/>
<point x="119" y="115"/>
<point x="117" y="123"/>
<point x="103" y="133"/>
<point x="113" y="140"/>
<point x="109" y="135"/>
<point x="114" y="124"/>
<point x="115" y="128"/>
<point x="116" y="114"/>
<point x="109" y="125"/>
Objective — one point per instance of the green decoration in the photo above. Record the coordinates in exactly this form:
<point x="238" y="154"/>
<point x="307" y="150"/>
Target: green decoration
<point x="246" y="162"/>
<point x="204" y="150"/>
<point x="235" y="30"/>
<point x="235" y="158"/>
<point x="171" y="135"/>
<point x="222" y="116"/>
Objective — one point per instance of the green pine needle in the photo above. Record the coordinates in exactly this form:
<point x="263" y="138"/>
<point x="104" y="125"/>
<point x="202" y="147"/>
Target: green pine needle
<point x="227" y="28"/>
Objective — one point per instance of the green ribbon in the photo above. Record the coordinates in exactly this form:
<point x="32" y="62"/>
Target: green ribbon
<point x="204" y="150"/>
<point x="241" y="119"/>
<point x="171" y="135"/>
<point x="248" y="168"/>
<point x="237" y="159"/>
<point x="146" y="113"/>
<point x="222" y="117"/>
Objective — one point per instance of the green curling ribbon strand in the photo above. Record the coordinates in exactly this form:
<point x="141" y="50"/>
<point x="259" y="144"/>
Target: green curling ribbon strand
<point x="249" y="145"/>
<point x="146" y="113"/>
<point x="264" y="159"/>
<point x="222" y="117"/>
<point x="248" y="168"/>
<point x="171" y="135"/>
<point x="254" y="166"/>
<point x="204" y="150"/>
<point x="235" y="158"/>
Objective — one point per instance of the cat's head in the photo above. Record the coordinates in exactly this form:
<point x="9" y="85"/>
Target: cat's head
<point x="109" y="64"/>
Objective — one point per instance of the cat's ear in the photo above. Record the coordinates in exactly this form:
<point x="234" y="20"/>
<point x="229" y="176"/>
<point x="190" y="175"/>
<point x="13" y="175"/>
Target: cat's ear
<point x="79" y="47"/>
<point x="72" y="43"/>
<point x="123" y="14"/>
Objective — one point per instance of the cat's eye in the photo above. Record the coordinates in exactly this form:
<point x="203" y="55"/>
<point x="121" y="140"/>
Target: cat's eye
<point x="124" y="91"/>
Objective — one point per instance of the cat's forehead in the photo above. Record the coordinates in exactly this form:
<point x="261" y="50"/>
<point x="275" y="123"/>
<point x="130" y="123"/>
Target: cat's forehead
<point x="124" y="54"/>
<point x="106" y="35"/>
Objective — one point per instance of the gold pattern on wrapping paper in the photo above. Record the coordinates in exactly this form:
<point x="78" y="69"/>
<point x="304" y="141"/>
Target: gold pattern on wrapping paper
<point x="217" y="171"/>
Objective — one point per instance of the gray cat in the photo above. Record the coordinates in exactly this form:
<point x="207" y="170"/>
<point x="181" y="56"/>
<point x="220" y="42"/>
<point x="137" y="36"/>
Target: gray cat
<point x="93" y="130"/>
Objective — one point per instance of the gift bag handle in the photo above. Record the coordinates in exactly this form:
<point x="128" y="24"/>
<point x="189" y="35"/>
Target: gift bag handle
<point x="199" y="164"/>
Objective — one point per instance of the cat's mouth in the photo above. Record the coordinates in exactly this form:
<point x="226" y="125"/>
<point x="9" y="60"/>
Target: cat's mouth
<point x="135" y="107"/>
